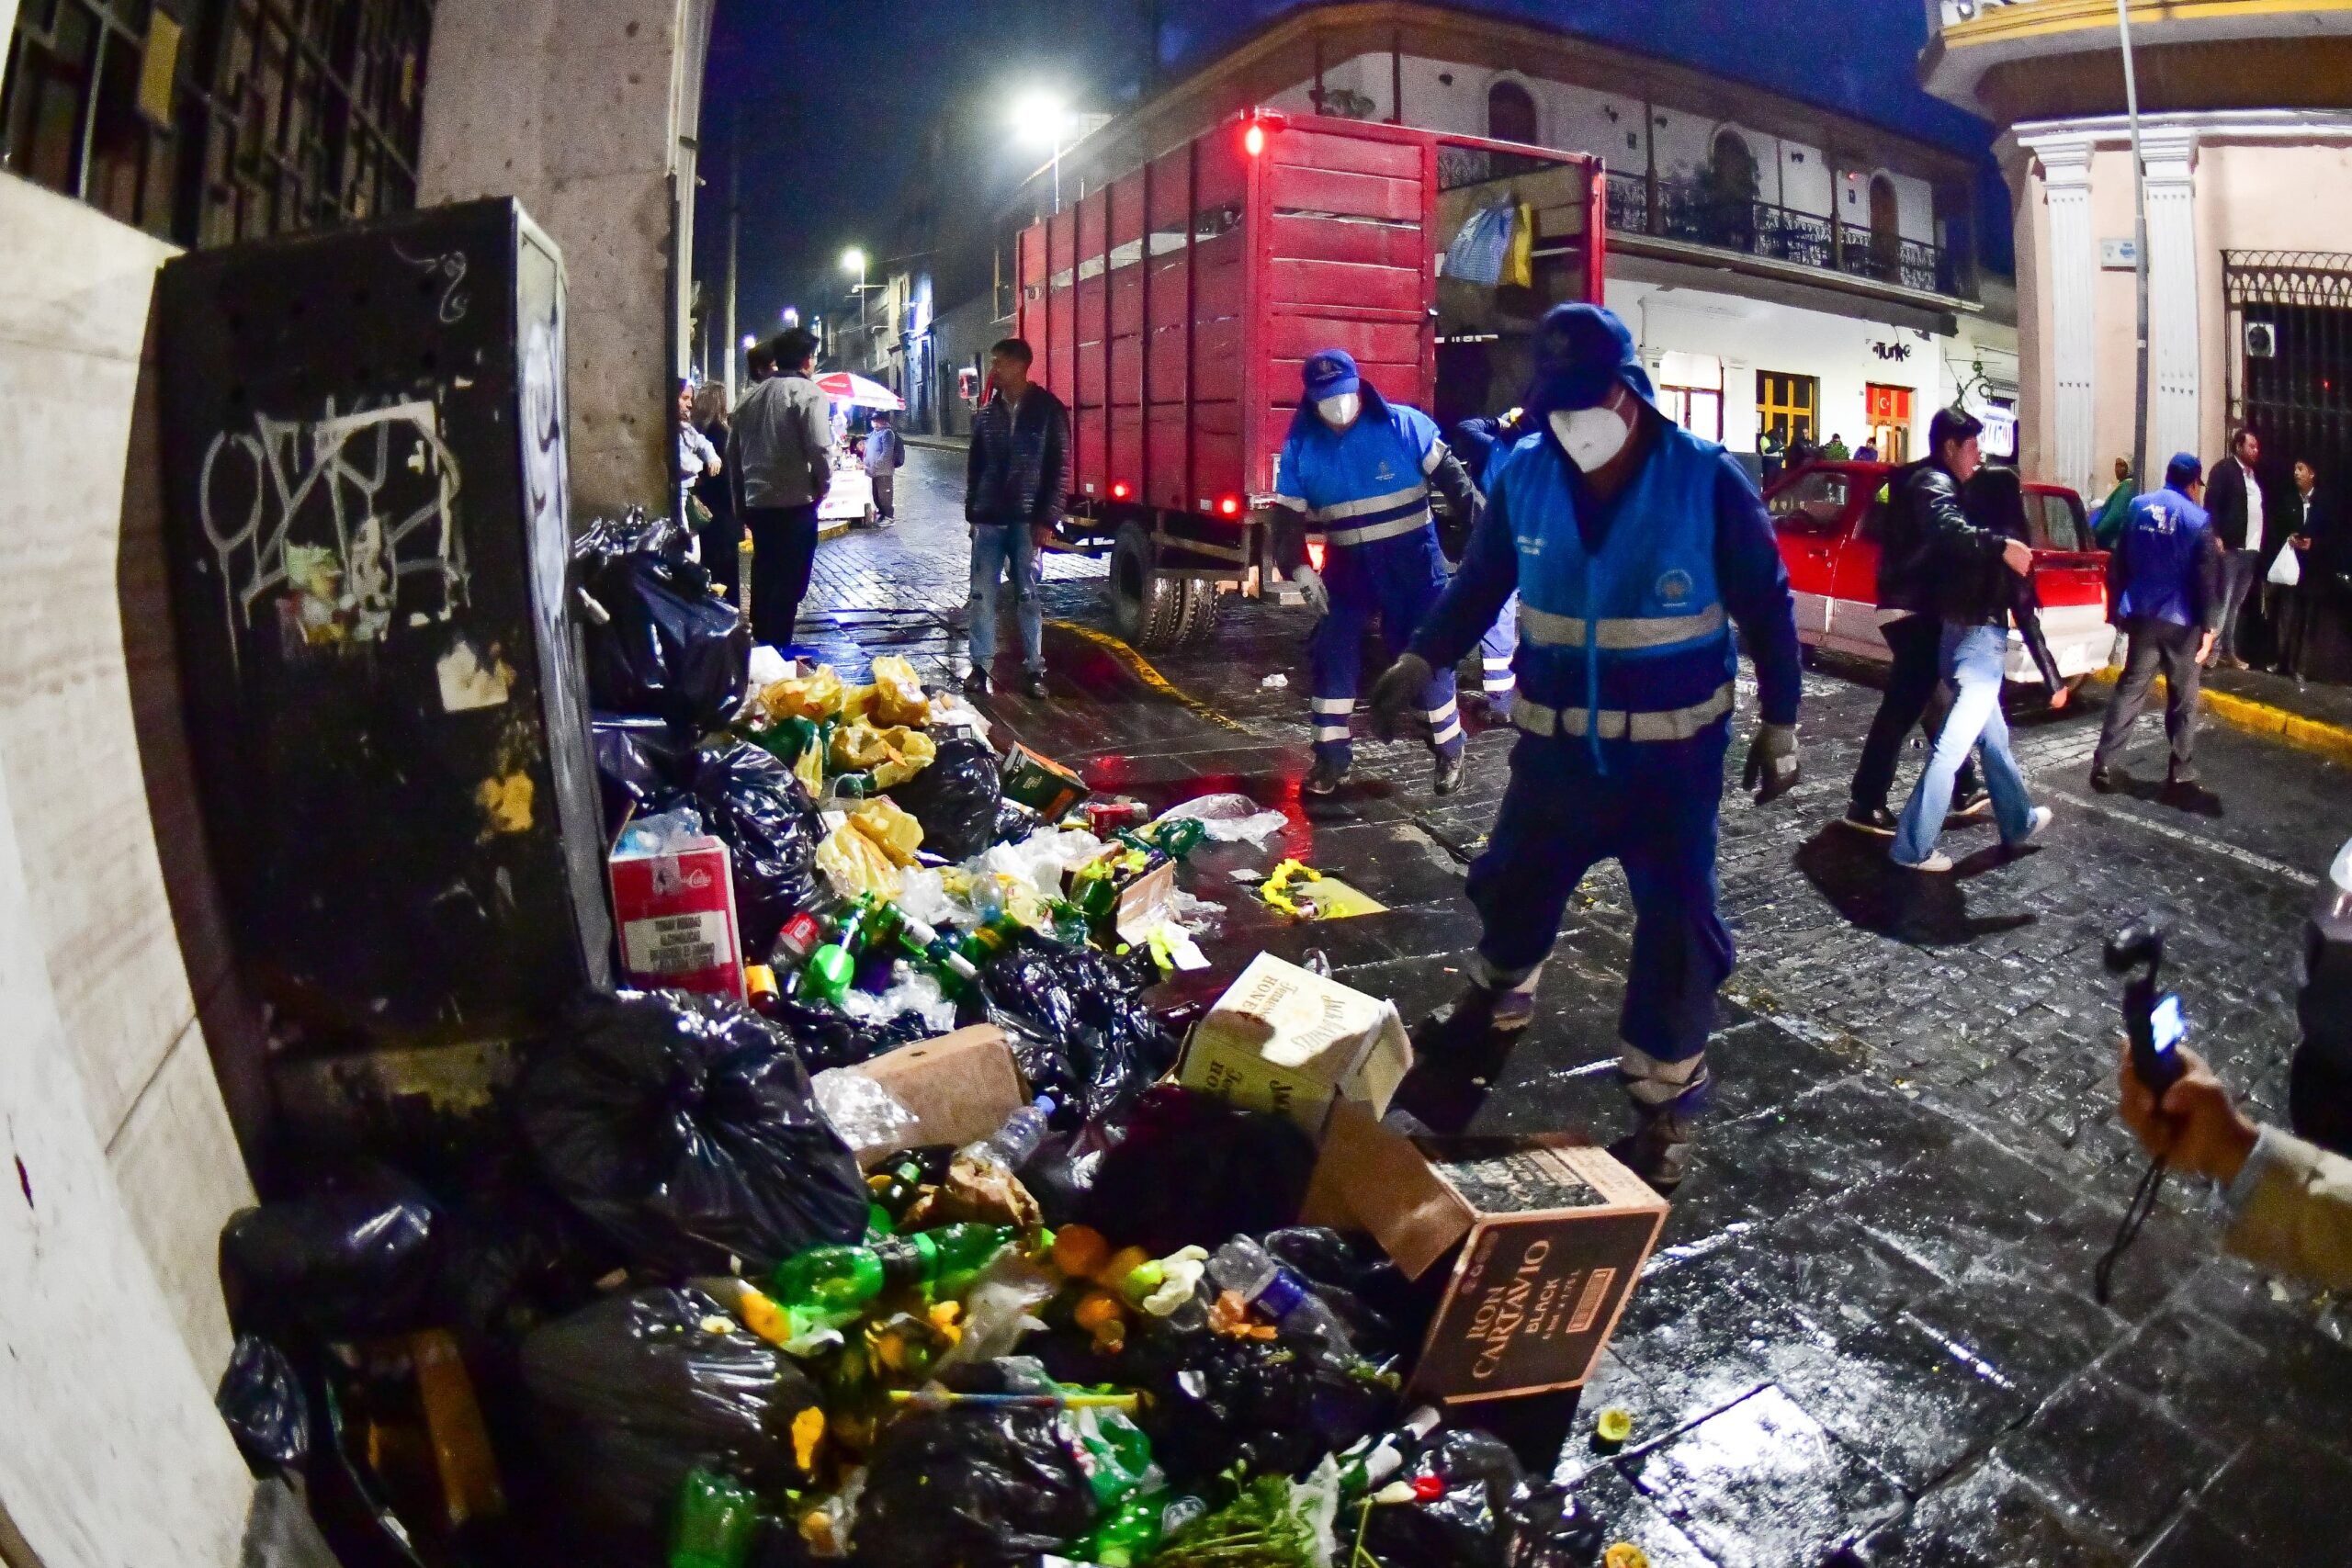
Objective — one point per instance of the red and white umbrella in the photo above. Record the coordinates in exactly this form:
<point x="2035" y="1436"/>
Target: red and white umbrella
<point x="842" y="387"/>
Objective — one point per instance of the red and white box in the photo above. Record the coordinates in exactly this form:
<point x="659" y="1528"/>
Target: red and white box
<point x="675" y="909"/>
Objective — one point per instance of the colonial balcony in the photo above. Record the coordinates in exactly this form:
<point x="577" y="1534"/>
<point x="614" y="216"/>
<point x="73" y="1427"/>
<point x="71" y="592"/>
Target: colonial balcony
<point x="1691" y="213"/>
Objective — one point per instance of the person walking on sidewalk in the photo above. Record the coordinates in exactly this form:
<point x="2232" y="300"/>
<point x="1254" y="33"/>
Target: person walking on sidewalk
<point x="1015" y="479"/>
<point x="778" y="451"/>
<point x="883" y="452"/>
<point x="2163" y="582"/>
<point x="1984" y="574"/>
<point x="1914" y="631"/>
<point x="2313" y="538"/>
<point x="722" y="537"/>
<point x="2234" y="501"/>
<point x="1635" y="548"/>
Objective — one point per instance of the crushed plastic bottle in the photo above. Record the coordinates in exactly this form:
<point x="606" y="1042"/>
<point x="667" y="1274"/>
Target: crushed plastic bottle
<point x="1244" y="1267"/>
<point x="1011" y="1145"/>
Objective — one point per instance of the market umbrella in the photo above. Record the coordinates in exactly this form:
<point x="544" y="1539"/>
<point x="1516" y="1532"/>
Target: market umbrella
<point x="842" y="387"/>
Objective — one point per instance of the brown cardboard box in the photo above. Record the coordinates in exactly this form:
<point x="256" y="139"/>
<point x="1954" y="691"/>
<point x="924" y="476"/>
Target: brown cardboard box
<point x="1286" y="1039"/>
<point x="960" y="1086"/>
<point x="1542" y="1239"/>
<point x="1041" y="784"/>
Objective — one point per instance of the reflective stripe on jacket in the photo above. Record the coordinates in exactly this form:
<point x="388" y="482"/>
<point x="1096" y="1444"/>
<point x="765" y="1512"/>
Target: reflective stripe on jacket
<point x="1366" y="483"/>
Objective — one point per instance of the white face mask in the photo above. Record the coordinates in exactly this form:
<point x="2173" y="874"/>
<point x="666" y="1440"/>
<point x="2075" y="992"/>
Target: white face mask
<point x="1340" y="412"/>
<point x="1591" y="436"/>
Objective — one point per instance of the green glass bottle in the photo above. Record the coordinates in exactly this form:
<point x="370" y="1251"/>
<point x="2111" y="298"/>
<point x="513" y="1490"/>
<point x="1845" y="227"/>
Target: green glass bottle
<point x="895" y="1186"/>
<point x="717" y="1520"/>
<point x="1176" y="838"/>
<point x="830" y="1285"/>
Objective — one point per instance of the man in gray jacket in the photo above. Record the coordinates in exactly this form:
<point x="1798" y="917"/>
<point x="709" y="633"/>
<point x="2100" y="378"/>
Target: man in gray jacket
<point x="777" y="452"/>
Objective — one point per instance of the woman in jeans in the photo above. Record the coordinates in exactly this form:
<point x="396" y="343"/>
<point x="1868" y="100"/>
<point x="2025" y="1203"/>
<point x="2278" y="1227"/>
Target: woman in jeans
<point x="1982" y="594"/>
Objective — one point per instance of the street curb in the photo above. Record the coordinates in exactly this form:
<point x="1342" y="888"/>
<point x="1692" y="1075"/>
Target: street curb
<point x="939" y="443"/>
<point x="2332" y="741"/>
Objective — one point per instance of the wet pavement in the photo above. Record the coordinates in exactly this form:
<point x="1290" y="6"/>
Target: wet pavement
<point x="1869" y="1336"/>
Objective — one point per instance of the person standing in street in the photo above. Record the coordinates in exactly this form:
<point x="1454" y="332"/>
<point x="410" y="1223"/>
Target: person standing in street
<point x="1635" y="548"/>
<point x="1359" y="470"/>
<point x="883" y="452"/>
<point x="1015" y="481"/>
<point x="1982" y="566"/>
<point x="722" y="537"/>
<point x="2116" y="510"/>
<point x="2234" y="501"/>
<point x="1913" y="629"/>
<point x="778" y="452"/>
<point x="2311" y="534"/>
<point x="2165" y="587"/>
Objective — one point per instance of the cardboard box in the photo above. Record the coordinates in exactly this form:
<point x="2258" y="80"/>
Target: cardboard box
<point x="960" y="1086"/>
<point x="1285" y="1039"/>
<point x="1545" y="1238"/>
<point x="1041" y="784"/>
<point x="675" y="911"/>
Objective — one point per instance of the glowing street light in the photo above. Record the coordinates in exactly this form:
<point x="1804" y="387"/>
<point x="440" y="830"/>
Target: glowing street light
<point x="792" y="315"/>
<point x="751" y="341"/>
<point x="1041" y="121"/>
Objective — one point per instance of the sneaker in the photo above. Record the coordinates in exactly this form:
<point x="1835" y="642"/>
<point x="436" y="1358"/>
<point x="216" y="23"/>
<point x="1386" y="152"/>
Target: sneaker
<point x="1970" y="804"/>
<point x="1658" y="1150"/>
<point x="2106" y="781"/>
<point x="1452" y="772"/>
<point x="1936" y="865"/>
<point x="2042" y="816"/>
<point x="976" y="684"/>
<point x="1032" y="684"/>
<point x="1326" y="779"/>
<point x="1876" y="820"/>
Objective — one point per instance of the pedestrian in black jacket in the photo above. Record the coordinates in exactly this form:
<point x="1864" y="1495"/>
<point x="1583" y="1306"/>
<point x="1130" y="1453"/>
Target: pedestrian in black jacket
<point x="1014" y="480"/>
<point x="2233" y="500"/>
<point x="2315" y="533"/>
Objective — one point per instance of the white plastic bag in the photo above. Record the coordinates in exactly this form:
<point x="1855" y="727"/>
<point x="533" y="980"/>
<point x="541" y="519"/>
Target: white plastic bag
<point x="2287" y="571"/>
<point x="1230" y="818"/>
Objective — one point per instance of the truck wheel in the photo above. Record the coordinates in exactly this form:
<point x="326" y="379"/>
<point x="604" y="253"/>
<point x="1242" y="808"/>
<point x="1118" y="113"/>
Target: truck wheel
<point x="1146" y="606"/>
<point x="1198" y="623"/>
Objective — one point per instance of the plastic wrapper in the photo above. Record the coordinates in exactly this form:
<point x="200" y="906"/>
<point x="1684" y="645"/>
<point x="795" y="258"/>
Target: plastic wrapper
<point x="817" y="696"/>
<point x="1190" y="1166"/>
<point x="898" y="693"/>
<point x="1229" y="818"/>
<point x="885" y="822"/>
<point x="353" y="1257"/>
<point x="767" y="666"/>
<point x="664" y="646"/>
<point x="914" y="995"/>
<point x="1485" y="1512"/>
<point x="634" y="1391"/>
<point x="261" y="1399"/>
<point x="751" y="802"/>
<point x="683" y="1127"/>
<point x="1078" y="1024"/>
<point x="892" y="754"/>
<point x="865" y="1114"/>
<point x="984" y="1488"/>
<point x="855" y="864"/>
<point x="956" y="799"/>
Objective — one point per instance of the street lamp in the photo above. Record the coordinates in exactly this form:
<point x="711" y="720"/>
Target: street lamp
<point x="2139" y="244"/>
<point x="792" y="315"/>
<point x="1042" y="121"/>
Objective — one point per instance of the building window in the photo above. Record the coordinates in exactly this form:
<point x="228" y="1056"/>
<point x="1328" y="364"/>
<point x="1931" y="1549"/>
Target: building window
<point x="1690" y="392"/>
<point x="1889" y="422"/>
<point x="212" y="120"/>
<point x="1787" y="406"/>
<point x="1511" y="114"/>
<point x="1886" y="227"/>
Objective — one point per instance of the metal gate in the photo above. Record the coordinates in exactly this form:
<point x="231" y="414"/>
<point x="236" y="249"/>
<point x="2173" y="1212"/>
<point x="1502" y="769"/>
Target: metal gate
<point x="2291" y="359"/>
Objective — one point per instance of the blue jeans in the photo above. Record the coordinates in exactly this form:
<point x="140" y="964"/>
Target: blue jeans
<point x="996" y="547"/>
<point x="1973" y="660"/>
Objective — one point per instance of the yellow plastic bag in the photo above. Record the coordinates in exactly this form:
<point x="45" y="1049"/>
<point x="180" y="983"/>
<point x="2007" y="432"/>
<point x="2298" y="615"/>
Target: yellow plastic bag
<point x="893" y="755"/>
<point x="817" y="696"/>
<point x="887" y="824"/>
<point x="897" y="693"/>
<point x="854" y="863"/>
<point x="857" y="703"/>
<point x="809" y="766"/>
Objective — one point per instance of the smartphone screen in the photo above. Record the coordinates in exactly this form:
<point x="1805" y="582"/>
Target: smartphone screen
<point x="2168" y="1023"/>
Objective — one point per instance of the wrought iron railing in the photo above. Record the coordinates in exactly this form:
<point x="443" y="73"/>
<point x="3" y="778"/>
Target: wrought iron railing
<point x="1689" y="212"/>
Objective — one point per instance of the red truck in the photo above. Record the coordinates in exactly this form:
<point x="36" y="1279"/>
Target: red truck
<point x="1171" y="308"/>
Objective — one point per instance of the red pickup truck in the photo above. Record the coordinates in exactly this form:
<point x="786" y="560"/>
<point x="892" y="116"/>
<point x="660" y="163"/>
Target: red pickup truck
<point x="1827" y="516"/>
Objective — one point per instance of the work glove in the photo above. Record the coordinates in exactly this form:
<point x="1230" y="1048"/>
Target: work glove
<point x="1309" y="579"/>
<point x="1397" y="695"/>
<point x="1772" y="769"/>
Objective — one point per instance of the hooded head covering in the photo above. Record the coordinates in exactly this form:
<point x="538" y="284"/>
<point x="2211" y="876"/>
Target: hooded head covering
<point x="1330" y="373"/>
<point x="1583" y="353"/>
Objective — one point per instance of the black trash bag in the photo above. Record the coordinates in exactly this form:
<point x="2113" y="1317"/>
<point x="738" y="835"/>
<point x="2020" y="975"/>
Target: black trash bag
<point x="682" y="1126"/>
<point x="974" y="1487"/>
<point x="640" y="770"/>
<point x="1387" y="1314"/>
<point x="1269" y="1405"/>
<point x="1488" y="1514"/>
<point x="635" y="1391"/>
<point x="1078" y="1024"/>
<point x="956" y="799"/>
<point x="664" y="645"/>
<point x="352" y="1257"/>
<point x="828" y="1039"/>
<point x="751" y="802"/>
<point x="513" y="1256"/>
<point x="1189" y="1167"/>
<point x="262" y="1400"/>
<point x="1014" y="821"/>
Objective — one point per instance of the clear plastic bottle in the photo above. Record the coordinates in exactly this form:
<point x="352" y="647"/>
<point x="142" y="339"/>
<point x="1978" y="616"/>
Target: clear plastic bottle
<point x="1011" y="1145"/>
<point x="1246" y="1269"/>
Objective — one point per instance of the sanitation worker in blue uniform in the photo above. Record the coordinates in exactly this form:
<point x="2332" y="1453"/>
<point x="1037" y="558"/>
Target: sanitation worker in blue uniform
<point x="1359" y="470"/>
<point x="1635" y="548"/>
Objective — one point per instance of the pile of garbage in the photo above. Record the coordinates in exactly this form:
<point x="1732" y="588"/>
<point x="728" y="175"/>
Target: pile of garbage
<point x="880" y="1221"/>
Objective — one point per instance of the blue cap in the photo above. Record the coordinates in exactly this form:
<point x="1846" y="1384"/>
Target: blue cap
<point x="1329" y="374"/>
<point x="2184" y="470"/>
<point x="1583" y="353"/>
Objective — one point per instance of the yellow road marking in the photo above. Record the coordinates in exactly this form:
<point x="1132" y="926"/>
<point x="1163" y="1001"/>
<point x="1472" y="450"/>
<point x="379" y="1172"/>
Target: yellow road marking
<point x="2332" y="741"/>
<point x="1147" y="675"/>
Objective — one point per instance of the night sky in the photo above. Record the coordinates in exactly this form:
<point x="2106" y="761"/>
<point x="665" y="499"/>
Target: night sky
<point x="835" y="101"/>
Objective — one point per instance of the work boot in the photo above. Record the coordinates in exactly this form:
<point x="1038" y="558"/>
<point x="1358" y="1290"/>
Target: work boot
<point x="1032" y="684"/>
<point x="1326" y="779"/>
<point x="1458" y="1052"/>
<point x="976" y="684"/>
<point x="1452" y="772"/>
<point x="1480" y="1015"/>
<point x="1875" y="820"/>
<point x="2106" y="781"/>
<point x="1658" y="1150"/>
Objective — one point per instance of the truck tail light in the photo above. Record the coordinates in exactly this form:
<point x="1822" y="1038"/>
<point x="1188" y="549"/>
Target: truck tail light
<point x="1120" y="489"/>
<point x="1229" y="507"/>
<point x="1314" y="554"/>
<point x="1253" y="139"/>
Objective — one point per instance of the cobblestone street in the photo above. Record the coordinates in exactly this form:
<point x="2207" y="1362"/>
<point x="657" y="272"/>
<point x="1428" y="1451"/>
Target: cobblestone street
<point x="1870" y="1330"/>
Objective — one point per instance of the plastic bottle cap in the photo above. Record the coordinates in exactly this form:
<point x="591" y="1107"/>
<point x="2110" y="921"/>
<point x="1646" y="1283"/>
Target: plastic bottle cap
<point x="831" y="971"/>
<point x="1615" y="1425"/>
